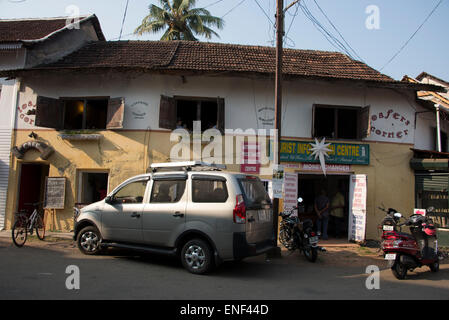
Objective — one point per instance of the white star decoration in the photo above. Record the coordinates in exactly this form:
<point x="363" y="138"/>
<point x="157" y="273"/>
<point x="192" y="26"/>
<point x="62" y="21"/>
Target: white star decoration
<point x="320" y="149"/>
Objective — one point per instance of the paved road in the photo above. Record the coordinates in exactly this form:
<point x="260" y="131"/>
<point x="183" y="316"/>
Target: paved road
<point x="37" y="271"/>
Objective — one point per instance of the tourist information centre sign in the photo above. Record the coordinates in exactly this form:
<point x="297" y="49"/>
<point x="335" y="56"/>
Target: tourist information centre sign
<point x="341" y="153"/>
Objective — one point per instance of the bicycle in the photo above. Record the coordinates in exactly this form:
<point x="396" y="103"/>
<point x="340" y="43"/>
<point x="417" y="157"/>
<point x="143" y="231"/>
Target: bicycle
<point x="24" y="225"/>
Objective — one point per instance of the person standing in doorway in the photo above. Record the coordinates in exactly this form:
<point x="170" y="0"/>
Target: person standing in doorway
<point x="322" y="211"/>
<point x="337" y="212"/>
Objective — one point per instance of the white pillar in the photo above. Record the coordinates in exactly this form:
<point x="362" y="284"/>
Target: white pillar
<point x="437" y="107"/>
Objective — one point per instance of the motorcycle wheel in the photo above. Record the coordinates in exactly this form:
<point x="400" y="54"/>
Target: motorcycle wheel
<point x="311" y="253"/>
<point x="434" y="267"/>
<point x="399" y="270"/>
<point x="286" y="238"/>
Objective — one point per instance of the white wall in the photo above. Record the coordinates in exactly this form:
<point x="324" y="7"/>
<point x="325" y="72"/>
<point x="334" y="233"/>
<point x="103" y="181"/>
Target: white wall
<point x="8" y="98"/>
<point x="246" y="101"/>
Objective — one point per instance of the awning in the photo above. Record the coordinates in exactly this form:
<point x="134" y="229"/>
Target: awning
<point x="430" y="164"/>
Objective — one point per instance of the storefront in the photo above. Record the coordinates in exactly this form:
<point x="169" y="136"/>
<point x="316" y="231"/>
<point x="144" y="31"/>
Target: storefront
<point x="307" y="178"/>
<point x="432" y="188"/>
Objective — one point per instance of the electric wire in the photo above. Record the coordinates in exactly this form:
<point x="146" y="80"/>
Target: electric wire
<point x="329" y="37"/>
<point x="212" y="4"/>
<point x="235" y="7"/>
<point x="413" y="35"/>
<point x="124" y="17"/>
<point x="264" y="12"/>
<point x="335" y="28"/>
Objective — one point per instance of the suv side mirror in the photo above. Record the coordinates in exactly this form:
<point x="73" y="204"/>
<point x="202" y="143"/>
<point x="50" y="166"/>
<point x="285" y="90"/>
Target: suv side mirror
<point x="109" y="200"/>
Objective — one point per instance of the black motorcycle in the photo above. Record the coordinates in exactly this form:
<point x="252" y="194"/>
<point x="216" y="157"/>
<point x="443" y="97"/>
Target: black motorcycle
<point x="296" y="234"/>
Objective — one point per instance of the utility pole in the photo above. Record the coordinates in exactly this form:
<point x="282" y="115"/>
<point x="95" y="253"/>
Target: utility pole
<point x="278" y="104"/>
<point x="278" y="111"/>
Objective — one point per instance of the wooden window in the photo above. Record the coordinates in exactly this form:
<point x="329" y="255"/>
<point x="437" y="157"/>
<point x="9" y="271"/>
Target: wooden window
<point x="80" y="113"/>
<point x="49" y="113"/>
<point x="339" y="122"/>
<point x="180" y="112"/>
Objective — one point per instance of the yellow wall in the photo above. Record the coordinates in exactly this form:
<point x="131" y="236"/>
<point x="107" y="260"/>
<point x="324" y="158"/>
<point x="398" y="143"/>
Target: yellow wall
<point x="124" y="154"/>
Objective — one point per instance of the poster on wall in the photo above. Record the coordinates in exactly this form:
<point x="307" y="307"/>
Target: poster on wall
<point x="290" y="191"/>
<point x="357" y="207"/>
<point x="55" y="192"/>
<point x="278" y="181"/>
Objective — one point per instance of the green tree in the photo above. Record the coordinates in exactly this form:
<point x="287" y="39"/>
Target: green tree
<point x="181" y="20"/>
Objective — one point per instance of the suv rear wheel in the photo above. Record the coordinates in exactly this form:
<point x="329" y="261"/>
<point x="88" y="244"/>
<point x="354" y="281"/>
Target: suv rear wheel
<point x="196" y="256"/>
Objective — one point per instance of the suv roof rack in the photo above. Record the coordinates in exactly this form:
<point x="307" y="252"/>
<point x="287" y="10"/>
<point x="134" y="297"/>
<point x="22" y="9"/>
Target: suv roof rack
<point x="186" y="166"/>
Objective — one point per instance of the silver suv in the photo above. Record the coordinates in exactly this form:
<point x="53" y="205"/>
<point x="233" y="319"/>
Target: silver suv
<point x="191" y="210"/>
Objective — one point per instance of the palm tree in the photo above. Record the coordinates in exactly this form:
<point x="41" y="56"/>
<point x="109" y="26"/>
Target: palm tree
<point x="181" y="19"/>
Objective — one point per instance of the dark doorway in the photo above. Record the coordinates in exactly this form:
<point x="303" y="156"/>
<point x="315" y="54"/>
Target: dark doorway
<point x="309" y="187"/>
<point x="31" y="185"/>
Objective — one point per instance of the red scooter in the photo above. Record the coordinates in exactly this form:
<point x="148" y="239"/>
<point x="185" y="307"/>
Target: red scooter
<point x="409" y="251"/>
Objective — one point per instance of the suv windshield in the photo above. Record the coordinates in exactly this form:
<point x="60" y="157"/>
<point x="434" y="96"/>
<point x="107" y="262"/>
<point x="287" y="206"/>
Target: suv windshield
<point x="254" y="191"/>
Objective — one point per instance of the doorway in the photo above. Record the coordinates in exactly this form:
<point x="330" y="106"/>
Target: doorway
<point x="31" y="185"/>
<point x="309" y="187"/>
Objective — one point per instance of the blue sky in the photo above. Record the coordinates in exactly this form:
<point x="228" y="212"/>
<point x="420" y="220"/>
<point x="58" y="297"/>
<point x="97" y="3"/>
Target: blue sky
<point x="247" y="24"/>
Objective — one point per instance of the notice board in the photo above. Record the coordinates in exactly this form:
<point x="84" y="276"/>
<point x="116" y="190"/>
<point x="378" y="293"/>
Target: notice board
<point x="55" y="192"/>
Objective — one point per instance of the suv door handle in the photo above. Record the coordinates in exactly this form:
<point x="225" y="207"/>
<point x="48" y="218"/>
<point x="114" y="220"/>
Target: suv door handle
<point x="135" y="215"/>
<point x="178" y="214"/>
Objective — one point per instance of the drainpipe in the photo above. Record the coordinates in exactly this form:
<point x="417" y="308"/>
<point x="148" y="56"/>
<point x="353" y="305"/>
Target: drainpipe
<point x="437" y="108"/>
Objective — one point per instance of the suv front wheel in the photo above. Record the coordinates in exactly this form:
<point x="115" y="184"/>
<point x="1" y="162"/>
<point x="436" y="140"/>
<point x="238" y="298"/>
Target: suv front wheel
<point x="89" y="240"/>
<point x="196" y="256"/>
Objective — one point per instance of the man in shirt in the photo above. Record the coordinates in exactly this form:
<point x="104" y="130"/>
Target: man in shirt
<point x="322" y="210"/>
<point x="337" y="212"/>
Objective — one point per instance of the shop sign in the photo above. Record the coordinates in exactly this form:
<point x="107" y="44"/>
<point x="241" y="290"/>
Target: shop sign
<point x="290" y="190"/>
<point x="329" y="167"/>
<point x="438" y="200"/>
<point x="357" y="207"/>
<point x="341" y="153"/>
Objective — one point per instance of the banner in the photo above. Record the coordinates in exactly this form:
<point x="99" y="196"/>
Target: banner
<point x="290" y="191"/>
<point x="357" y="207"/>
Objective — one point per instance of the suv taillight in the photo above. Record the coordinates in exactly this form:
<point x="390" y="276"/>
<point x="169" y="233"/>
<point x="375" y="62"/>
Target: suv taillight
<point x="240" y="210"/>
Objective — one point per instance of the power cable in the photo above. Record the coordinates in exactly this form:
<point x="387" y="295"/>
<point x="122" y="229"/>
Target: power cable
<point x="413" y="35"/>
<point x="265" y="13"/>
<point x="335" y="28"/>
<point x="238" y="5"/>
<point x="212" y="4"/>
<point x="124" y="17"/>
<point x="329" y="37"/>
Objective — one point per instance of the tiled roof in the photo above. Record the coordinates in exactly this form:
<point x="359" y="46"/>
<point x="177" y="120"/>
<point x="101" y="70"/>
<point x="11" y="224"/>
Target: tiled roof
<point x="34" y="29"/>
<point x="205" y="57"/>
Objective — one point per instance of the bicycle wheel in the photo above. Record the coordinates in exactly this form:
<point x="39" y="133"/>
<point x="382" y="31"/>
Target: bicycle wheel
<point x="19" y="233"/>
<point x="40" y="227"/>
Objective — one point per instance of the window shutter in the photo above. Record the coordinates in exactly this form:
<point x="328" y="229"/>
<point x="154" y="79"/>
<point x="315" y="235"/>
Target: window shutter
<point x="167" y="113"/>
<point x="313" y="121"/>
<point x="49" y="112"/>
<point x="221" y="114"/>
<point x="116" y="110"/>
<point x="364" y="123"/>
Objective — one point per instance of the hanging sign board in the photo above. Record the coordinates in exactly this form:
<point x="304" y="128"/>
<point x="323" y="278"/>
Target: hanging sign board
<point x="290" y="191"/>
<point x="54" y="192"/>
<point x="357" y="207"/>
